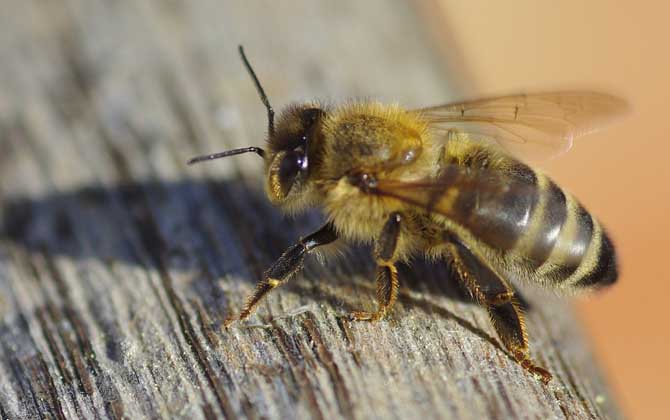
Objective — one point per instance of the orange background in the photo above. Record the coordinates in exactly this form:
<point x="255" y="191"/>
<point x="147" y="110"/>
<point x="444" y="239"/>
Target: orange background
<point x="621" y="174"/>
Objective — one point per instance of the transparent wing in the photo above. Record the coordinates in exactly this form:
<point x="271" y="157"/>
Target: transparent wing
<point x="456" y="186"/>
<point x="495" y="207"/>
<point x="533" y="126"/>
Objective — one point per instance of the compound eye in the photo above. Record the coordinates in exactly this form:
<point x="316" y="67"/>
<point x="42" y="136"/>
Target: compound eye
<point x="291" y="164"/>
<point x="289" y="167"/>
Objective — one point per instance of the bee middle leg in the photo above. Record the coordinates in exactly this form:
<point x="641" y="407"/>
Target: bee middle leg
<point x="290" y="262"/>
<point x="491" y="291"/>
<point x="387" y="274"/>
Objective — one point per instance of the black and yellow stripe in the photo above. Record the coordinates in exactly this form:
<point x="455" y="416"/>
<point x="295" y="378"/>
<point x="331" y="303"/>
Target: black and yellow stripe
<point x="540" y="231"/>
<point x="566" y="247"/>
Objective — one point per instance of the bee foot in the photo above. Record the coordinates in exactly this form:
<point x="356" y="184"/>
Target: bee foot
<point x="228" y="321"/>
<point x="540" y="373"/>
<point x="366" y="316"/>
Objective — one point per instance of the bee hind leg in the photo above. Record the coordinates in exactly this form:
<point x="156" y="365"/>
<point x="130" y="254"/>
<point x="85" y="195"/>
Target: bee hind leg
<point x="286" y="266"/>
<point x="387" y="274"/>
<point x="491" y="291"/>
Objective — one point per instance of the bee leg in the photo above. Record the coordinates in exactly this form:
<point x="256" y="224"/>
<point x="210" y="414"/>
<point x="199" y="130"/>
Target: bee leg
<point x="488" y="289"/>
<point x="387" y="274"/>
<point x="387" y="292"/>
<point x="284" y="268"/>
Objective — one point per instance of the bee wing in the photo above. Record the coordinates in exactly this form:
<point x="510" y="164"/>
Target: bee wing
<point x="533" y="126"/>
<point x="456" y="183"/>
<point x="493" y="207"/>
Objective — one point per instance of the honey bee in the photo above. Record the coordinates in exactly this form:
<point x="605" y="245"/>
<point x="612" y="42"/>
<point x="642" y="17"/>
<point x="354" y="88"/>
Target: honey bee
<point x="445" y="182"/>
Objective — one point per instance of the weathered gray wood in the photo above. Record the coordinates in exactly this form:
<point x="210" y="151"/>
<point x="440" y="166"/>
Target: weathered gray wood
<point x="118" y="264"/>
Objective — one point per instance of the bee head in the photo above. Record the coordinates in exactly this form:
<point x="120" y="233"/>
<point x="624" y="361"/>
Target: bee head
<point x="290" y="153"/>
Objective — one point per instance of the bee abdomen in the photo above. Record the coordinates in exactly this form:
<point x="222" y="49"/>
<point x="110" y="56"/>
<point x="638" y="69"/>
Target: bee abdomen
<point x="583" y="255"/>
<point x="546" y="223"/>
<point x="535" y="226"/>
<point x="603" y="271"/>
<point x="563" y="244"/>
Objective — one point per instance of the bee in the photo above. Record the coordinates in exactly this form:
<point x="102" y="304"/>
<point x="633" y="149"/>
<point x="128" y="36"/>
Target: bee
<point x="445" y="182"/>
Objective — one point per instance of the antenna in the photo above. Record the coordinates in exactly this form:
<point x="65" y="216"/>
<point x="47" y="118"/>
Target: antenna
<point x="261" y="92"/>
<point x="227" y="153"/>
<point x="271" y="121"/>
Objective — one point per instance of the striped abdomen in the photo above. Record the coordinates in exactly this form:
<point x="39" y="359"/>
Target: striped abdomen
<point x="542" y="233"/>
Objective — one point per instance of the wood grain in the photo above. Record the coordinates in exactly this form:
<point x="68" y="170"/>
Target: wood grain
<point x="118" y="263"/>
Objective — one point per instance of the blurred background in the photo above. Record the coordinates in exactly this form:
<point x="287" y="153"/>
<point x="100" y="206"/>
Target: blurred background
<point x="621" y="174"/>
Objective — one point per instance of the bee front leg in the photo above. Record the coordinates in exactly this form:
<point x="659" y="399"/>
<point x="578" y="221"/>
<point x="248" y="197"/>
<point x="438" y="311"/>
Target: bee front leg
<point x="290" y="263"/>
<point x="387" y="274"/>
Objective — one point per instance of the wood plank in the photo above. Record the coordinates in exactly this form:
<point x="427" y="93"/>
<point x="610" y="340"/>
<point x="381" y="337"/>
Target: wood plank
<point x="118" y="263"/>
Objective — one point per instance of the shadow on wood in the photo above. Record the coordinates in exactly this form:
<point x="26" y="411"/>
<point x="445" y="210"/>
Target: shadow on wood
<point x="55" y="224"/>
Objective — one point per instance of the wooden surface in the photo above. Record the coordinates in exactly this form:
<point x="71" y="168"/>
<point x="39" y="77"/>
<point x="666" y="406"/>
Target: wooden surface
<point x="118" y="263"/>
